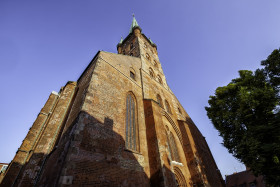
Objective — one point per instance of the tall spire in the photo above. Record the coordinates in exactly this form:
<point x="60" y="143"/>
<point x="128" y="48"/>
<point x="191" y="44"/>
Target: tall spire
<point x="134" y="24"/>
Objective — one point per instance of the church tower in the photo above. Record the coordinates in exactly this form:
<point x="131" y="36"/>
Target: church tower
<point x="119" y="124"/>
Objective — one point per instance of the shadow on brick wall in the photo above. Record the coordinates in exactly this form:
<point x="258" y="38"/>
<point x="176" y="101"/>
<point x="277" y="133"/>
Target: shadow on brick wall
<point x="89" y="153"/>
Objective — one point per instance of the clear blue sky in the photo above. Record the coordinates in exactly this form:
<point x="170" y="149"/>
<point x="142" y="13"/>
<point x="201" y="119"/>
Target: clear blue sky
<point x="202" y="44"/>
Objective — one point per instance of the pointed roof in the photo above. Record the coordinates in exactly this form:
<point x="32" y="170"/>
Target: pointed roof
<point x="121" y="41"/>
<point x="152" y="43"/>
<point x="133" y="25"/>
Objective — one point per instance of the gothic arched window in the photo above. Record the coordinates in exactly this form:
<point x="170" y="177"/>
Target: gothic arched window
<point x="147" y="56"/>
<point x="179" y="110"/>
<point x="159" y="79"/>
<point x="159" y="100"/>
<point x="155" y="63"/>
<point x="168" y="145"/>
<point x="131" y="131"/>
<point x="151" y="72"/>
<point x="132" y="73"/>
<point x="145" y="45"/>
<point x="167" y="106"/>
<point x="173" y="147"/>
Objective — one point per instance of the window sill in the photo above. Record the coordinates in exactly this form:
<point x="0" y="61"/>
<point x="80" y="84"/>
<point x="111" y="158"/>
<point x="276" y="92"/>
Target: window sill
<point x="176" y="163"/>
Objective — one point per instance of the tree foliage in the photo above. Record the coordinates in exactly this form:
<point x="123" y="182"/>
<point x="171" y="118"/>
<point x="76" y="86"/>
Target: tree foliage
<point x="246" y="114"/>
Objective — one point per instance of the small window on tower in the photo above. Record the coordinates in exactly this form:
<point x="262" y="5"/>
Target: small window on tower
<point x="131" y="46"/>
<point x="132" y="75"/>
<point x="145" y="45"/>
<point x="179" y="110"/>
<point x="167" y="106"/>
<point x="147" y="56"/>
<point x="151" y="72"/>
<point x="155" y="63"/>
<point x="159" y="79"/>
<point x="159" y="100"/>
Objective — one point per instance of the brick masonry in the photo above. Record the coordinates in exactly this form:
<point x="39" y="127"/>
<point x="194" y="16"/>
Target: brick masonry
<point x="78" y="138"/>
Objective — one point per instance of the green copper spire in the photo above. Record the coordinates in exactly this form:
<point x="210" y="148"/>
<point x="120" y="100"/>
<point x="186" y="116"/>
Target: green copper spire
<point x="121" y="41"/>
<point x="134" y="24"/>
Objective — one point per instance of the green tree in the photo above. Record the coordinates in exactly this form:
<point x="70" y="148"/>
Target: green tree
<point x="246" y="114"/>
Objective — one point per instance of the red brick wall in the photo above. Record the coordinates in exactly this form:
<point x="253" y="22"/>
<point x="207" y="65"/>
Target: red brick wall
<point x="82" y="138"/>
<point x="28" y="145"/>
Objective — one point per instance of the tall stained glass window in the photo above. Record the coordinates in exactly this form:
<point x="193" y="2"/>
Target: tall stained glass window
<point x="173" y="147"/>
<point x="167" y="106"/>
<point x="131" y="131"/>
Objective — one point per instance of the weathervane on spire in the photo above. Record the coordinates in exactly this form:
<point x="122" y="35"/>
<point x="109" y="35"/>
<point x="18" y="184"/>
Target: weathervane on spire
<point x="134" y="24"/>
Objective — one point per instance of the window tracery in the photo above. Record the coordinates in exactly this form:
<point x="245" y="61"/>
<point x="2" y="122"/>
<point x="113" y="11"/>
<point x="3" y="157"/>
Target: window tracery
<point x="131" y="126"/>
<point x="173" y="148"/>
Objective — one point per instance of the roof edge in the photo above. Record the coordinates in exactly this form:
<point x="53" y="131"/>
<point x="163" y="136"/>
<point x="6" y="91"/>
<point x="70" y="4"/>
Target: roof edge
<point x="88" y="66"/>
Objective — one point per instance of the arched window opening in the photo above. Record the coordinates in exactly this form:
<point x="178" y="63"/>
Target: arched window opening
<point x="168" y="146"/>
<point x="179" y="110"/>
<point x="132" y="73"/>
<point x="159" y="100"/>
<point x="151" y="72"/>
<point x="173" y="148"/>
<point x="155" y="63"/>
<point x="159" y="79"/>
<point x="145" y="45"/>
<point x="167" y="106"/>
<point x="147" y="56"/>
<point x="131" y="131"/>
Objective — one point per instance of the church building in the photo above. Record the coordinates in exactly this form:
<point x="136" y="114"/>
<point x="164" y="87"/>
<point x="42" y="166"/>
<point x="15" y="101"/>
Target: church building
<point x="119" y="124"/>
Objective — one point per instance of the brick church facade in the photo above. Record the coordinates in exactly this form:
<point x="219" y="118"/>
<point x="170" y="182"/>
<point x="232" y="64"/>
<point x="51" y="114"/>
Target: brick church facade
<point x="119" y="124"/>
